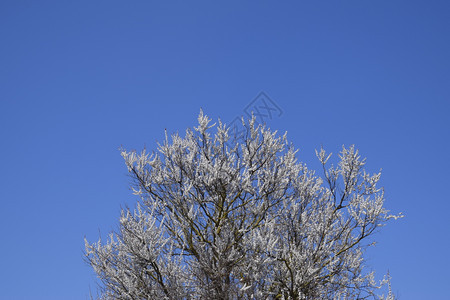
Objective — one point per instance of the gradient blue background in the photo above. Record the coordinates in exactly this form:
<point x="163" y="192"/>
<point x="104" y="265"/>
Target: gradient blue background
<point x="78" y="79"/>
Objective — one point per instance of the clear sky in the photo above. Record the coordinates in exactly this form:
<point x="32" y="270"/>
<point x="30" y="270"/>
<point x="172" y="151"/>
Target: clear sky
<point x="79" y="79"/>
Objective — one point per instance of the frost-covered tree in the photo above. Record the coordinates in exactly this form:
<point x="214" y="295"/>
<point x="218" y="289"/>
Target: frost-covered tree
<point x="220" y="218"/>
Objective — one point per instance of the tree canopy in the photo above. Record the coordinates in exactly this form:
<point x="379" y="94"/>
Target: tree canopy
<point x="222" y="217"/>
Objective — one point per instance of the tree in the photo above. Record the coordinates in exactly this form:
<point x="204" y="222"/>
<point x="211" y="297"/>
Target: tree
<point x="222" y="218"/>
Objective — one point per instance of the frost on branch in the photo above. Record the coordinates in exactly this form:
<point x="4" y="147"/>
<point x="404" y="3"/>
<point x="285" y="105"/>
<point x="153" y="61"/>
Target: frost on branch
<point x="226" y="219"/>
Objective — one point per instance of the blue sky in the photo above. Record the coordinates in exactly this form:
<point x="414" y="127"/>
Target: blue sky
<point x="79" y="79"/>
